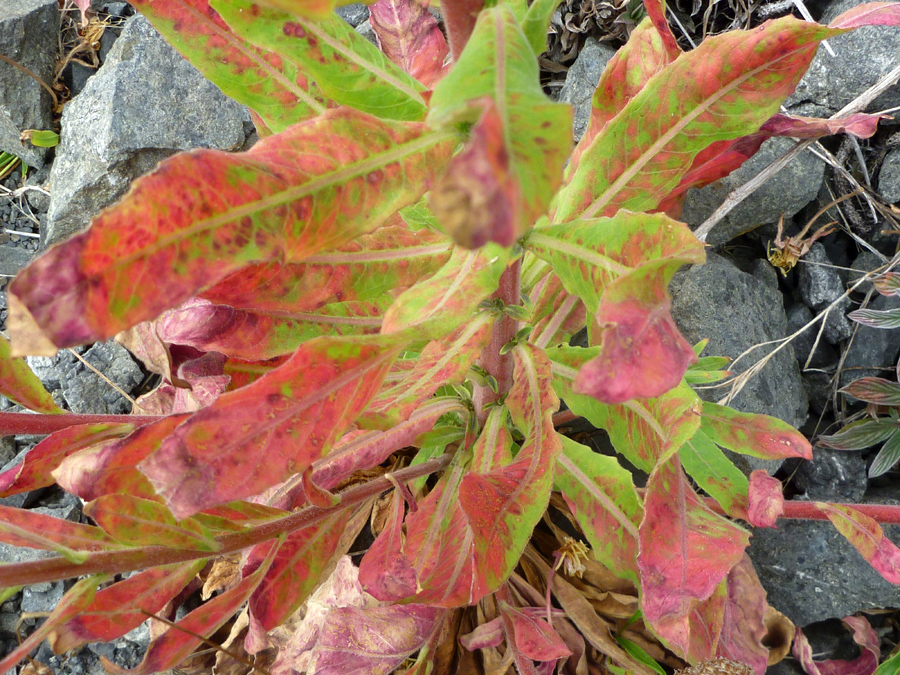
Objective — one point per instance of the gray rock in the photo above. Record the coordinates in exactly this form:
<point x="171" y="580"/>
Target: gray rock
<point x="365" y="29"/>
<point x="862" y="57"/>
<point x="799" y="316"/>
<point x="582" y="80"/>
<point x="873" y="351"/>
<point x="889" y="176"/>
<point x="820" y="285"/>
<point x="818" y="386"/>
<point x="43" y="597"/>
<point x="737" y="311"/>
<point x="786" y="193"/>
<point x="12" y="259"/>
<point x="353" y="14"/>
<point x="833" y="475"/>
<point x="83" y="390"/>
<point x="143" y="105"/>
<point x="812" y="573"/>
<point x="864" y="263"/>
<point x="29" y="31"/>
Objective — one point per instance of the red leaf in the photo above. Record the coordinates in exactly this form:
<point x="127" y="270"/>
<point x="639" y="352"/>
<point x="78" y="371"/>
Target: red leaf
<point x="35" y="470"/>
<point x="205" y="376"/>
<point x="686" y="551"/>
<point x="864" y="664"/>
<point x="743" y="629"/>
<point x="867" y="536"/>
<point x="257" y="436"/>
<point x="766" y="502"/>
<point x="278" y="201"/>
<point x="871" y="14"/>
<point x="534" y="637"/>
<point x="173" y="646"/>
<point x="410" y="37"/>
<point x="751" y="434"/>
<point x="111" y="467"/>
<point x="656" y="10"/>
<point x="374" y="640"/>
<point x="19" y="384"/>
<point x="22" y="527"/>
<point x="479" y="197"/>
<point x="484" y="636"/>
<point x="384" y="571"/>
<point x="296" y="569"/>
<point x="642" y="353"/>
<point x="112" y="613"/>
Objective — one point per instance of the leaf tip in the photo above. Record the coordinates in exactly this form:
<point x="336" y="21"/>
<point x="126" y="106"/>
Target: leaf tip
<point x="26" y="336"/>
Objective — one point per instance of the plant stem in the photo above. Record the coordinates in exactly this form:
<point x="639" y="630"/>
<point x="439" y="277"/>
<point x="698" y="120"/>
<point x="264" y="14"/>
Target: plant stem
<point x="885" y="514"/>
<point x="122" y="561"/>
<point x="459" y="20"/>
<point x="42" y="425"/>
<point x="498" y="365"/>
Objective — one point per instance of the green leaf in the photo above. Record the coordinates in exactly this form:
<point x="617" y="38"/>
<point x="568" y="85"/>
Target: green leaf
<point x="638" y="653"/>
<point x="20" y="385"/>
<point x="726" y="88"/>
<point x="860" y="434"/>
<point x="890" y="667"/>
<point x="886" y="319"/>
<point x="279" y="93"/>
<point x="275" y="202"/>
<point x="887" y="457"/>
<point x="522" y="141"/>
<point x="602" y="496"/>
<point x="536" y="24"/>
<point x="347" y="68"/>
<point x="715" y="474"/>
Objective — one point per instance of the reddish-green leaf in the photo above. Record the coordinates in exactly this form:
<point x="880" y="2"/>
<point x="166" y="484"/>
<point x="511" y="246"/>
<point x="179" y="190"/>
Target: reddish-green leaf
<point x="644" y="431"/>
<point x="765" y="499"/>
<point x="887" y="319"/>
<point x="685" y="552"/>
<point x="258" y="335"/>
<point x="743" y="628"/>
<point x="140" y="522"/>
<point x="874" y="390"/>
<point x="173" y="646"/>
<point x="72" y="604"/>
<point x="23" y="527"/>
<point x="435" y="307"/>
<point x="243" y="373"/>
<point x="200" y="379"/>
<point x="715" y="474"/>
<point x="556" y="314"/>
<point x="373" y="640"/>
<point x="391" y="257"/>
<point x="384" y="571"/>
<point x="504" y="503"/>
<point x="887" y="457"/>
<point x="861" y="434"/>
<point x="624" y="76"/>
<point x="280" y="200"/>
<point x="410" y="37"/>
<point x="656" y="12"/>
<point x="642" y="353"/>
<point x="755" y="435"/>
<point x="533" y="636"/>
<point x="532" y="134"/>
<point x="440" y="362"/>
<point x="19" y="384"/>
<point x="888" y="283"/>
<point x="296" y="569"/>
<point x="312" y="9"/>
<point x="120" y="608"/>
<point x="34" y="471"/>
<point x="870" y="14"/>
<point x="272" y="87"/>
<point x="347" y="68"/>
<point x="588" y="255"/>
<point x="641" y="154"/>
<point x="867" y="536"/>
<point x="111" y="467"/>
<point x="864" y="664"/>
<point x="602" y="496"/>
<point x="257" y="436"/>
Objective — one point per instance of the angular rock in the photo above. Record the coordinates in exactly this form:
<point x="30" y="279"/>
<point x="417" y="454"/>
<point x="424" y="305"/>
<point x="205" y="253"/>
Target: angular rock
<point x="889" y="176"/>
<point x="812" y="573"/>
<point x="738" y="311"/>
<point x="864" y="263"/>
<point x="786" y="193"/>
<point x="582" y="80"/>
<point x="353" y="14"/>
<point x="799" y="316"/>
<point x="12" y="259"/>
<point x="84" y="391"/>
<point x="143" y="105"/>
<point x="861" y="58"/>
<point x="833" y="476"/>
<point x="820" y="285"/>
<point x="873" y="351"/>
<point x="29" y="34"/>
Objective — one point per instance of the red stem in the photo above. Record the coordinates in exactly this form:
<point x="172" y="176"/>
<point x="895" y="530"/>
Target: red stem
<point x="500" y="366"/>
<point x="885" y="514"/>
<point x="459" y="20"/>
<point x="120" y="562"/>
<point x="44" y="425"/>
